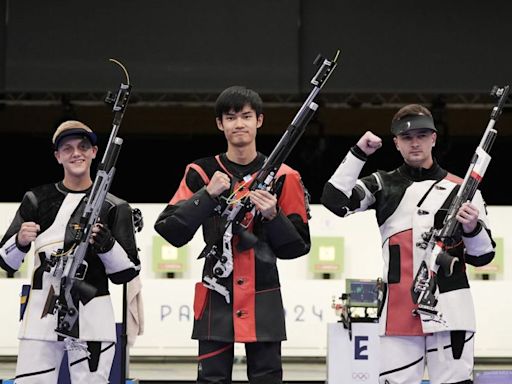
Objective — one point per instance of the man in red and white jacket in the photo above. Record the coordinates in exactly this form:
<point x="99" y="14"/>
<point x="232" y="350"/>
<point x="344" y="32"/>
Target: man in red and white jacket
<point x="408" y="202"/>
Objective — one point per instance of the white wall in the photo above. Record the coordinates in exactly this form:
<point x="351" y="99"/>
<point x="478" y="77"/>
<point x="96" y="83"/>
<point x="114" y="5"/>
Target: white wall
<point x="168" y="302"/>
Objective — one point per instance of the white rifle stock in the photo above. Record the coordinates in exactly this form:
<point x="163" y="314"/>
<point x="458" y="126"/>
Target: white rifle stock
<point x="424" y="286"/>
<point x="72" y="283"/>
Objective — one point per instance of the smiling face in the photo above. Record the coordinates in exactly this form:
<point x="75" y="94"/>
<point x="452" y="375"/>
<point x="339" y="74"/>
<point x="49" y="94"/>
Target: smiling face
<point x="415" y="146"/>
<point x="76" y="153"/>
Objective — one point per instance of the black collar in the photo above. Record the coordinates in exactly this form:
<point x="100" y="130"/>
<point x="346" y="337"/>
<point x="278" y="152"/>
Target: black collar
<point x="239" y="171"/>
<point x="62" y="188"/>
<point x="435" y="172"/>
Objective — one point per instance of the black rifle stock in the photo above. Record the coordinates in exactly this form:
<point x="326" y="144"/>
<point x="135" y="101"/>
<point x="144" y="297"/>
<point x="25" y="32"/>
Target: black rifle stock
<point x="75" y="267"/>
<point x="446" y="236"/>
<point x="235" y="214"/>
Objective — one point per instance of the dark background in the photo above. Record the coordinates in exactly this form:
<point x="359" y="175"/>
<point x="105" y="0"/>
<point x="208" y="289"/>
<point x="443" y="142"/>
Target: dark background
<point x="181" y="54"/>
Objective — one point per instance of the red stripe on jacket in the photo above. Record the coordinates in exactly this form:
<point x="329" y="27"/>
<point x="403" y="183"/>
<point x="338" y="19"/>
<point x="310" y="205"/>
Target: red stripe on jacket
<point x="244" y="284"/>
<point x="400" y="321"/>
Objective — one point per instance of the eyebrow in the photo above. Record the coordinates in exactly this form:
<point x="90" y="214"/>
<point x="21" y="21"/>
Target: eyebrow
<point x="84" y="141"/>
<point x="242" y="112"/>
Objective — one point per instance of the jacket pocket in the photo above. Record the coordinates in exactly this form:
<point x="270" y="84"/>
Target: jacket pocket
<point x="394" y="264"/>
<point x="200" y="297"/>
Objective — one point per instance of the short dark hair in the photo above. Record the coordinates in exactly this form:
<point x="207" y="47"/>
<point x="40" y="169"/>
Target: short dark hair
<point x="236" y="98"/>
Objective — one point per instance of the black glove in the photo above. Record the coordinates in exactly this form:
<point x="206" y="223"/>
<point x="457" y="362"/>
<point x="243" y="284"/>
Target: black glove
<point x="138" y="222"/>
<point x="102" y="241"/>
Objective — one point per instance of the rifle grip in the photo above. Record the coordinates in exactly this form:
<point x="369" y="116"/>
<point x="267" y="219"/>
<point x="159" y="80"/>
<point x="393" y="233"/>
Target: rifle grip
<point x="447" y="262"/>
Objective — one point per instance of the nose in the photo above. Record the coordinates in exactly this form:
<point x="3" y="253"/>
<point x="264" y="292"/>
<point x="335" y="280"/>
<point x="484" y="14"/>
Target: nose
<point x="415" y="141"/>
<point x="76" y="152"/>
<point x="239" y="123"/>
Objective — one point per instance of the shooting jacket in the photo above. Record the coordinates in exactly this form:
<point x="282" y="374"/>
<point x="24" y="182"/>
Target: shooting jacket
<point x="408" y="202"/>
<point x="56" y="209"/>
<point x="255" y="312"/>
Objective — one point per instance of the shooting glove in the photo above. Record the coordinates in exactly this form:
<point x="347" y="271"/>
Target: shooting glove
<point x="103" y="241"/>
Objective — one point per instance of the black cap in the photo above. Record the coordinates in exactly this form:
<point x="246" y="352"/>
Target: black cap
<point x="410" y="122"/>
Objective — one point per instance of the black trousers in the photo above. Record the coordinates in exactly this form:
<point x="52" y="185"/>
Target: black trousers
<point x="215" y="362"/>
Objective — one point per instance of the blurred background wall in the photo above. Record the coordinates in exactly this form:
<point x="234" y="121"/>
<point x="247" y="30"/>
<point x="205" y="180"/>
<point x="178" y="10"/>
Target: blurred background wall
<point x="54" y="65"/>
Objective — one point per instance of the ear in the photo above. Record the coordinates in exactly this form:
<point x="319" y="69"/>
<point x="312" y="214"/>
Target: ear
<point x="396" y="143"/>
<point x="434" y="139"/>
<point x="219" y="124"/>
<point x="57" y="156"/>
<point x="94" y="151"/>
<point x="259" y="123"/>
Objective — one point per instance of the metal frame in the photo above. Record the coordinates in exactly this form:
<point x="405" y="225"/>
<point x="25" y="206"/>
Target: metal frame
<point x="332" y="100"/>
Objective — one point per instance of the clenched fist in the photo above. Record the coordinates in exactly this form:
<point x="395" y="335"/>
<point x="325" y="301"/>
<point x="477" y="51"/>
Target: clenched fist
<point x="219" y="183"/>
<point x="369" y="143"/>
<point x="27" y="233"/>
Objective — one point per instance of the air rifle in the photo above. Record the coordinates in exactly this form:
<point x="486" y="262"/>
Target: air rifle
<point x="74" y="265"/>
<point x="423" y="289"/>
<point x="239" y="215"/>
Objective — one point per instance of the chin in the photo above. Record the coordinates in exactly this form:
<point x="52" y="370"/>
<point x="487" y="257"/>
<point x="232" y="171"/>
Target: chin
<point x="77" y="172"/>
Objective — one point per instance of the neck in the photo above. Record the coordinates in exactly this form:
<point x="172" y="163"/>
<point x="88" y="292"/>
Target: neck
<point x="241" y="155"/>
<point x="77" y="183"/>
<point x="434" y="172"/>
<point x="427" y="164"/>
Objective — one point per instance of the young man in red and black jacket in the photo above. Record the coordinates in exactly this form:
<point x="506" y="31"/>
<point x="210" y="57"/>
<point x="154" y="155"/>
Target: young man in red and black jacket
<point x="245" y="305"/>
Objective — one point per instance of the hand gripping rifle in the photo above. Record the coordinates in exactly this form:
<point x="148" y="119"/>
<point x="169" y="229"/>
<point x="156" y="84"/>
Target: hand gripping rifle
<point x="75" y="267"/>
<point x="239" y="215"/>
<point x="424" y="286"/>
